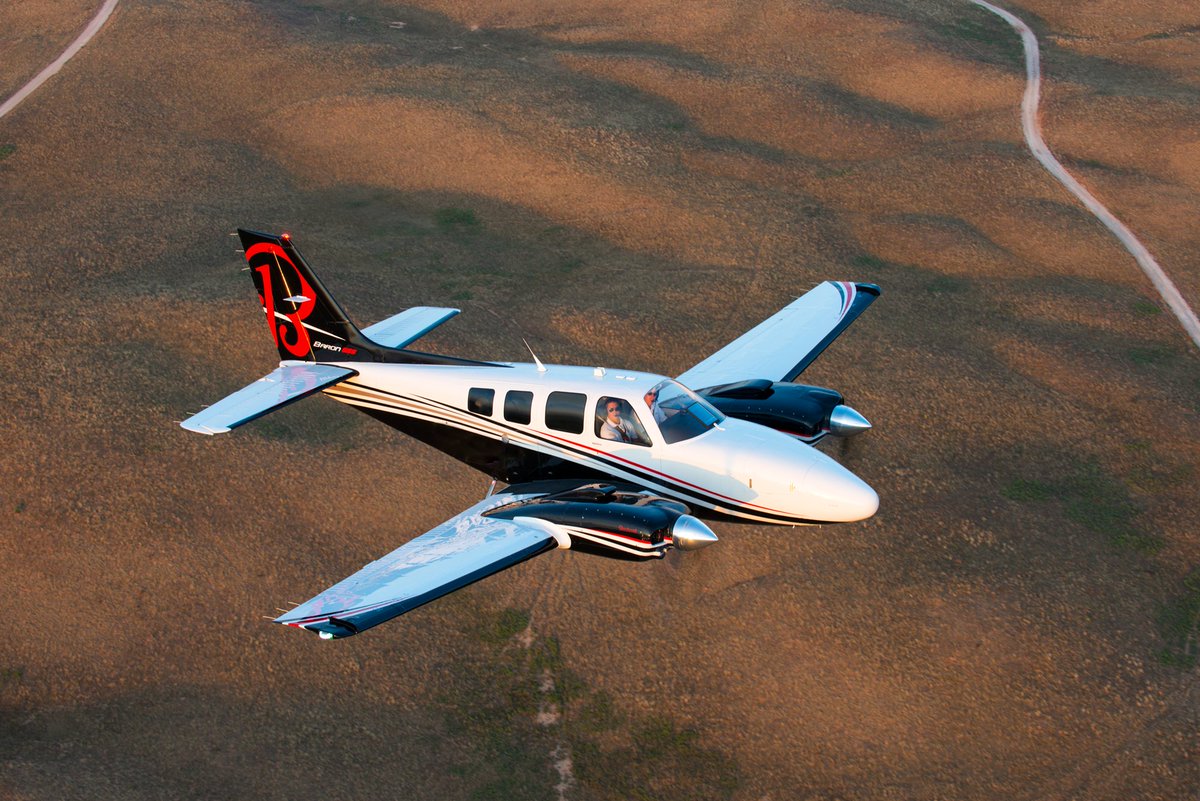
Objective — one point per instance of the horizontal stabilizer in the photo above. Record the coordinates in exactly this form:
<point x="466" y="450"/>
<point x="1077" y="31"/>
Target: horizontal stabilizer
<point x="456" y="553"/>
<point x="407" y="326"/>
<point x="284" y="385"/>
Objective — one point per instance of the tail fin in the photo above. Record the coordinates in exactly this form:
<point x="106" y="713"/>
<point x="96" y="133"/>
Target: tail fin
<point x="305" y="321"/>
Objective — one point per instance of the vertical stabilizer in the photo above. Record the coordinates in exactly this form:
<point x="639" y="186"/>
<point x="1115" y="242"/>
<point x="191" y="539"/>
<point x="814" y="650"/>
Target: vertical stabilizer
<point x="305" y="321"/>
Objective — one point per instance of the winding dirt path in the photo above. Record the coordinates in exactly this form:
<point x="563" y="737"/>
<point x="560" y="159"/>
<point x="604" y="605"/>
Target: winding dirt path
<point x="91" y="30"/>
<point x="1033" y="137"/>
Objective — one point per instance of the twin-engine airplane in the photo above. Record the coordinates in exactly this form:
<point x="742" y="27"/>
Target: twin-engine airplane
<point x="611" y="462"/>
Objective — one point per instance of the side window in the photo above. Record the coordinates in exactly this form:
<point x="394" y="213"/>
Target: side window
<point x="564" y="411"/>
<point x="517" y="406"/>
<point x="479" y="401"/>
<point x="616" y="420"/>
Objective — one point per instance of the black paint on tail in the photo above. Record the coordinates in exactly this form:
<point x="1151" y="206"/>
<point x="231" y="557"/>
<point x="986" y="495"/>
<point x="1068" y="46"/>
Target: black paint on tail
<point x="305" y="321"/>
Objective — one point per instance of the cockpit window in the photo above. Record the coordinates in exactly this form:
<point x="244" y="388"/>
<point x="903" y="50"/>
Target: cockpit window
<point x="616" y="420"/>
<point x="680" y="413"/>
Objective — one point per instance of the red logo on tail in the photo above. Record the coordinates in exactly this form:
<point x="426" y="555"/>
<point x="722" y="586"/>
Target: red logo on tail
<point x="290" y="330"/>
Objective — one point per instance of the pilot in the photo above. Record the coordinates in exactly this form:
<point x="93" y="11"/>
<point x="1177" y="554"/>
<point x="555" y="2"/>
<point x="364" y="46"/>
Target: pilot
<point x="615" y="427"/>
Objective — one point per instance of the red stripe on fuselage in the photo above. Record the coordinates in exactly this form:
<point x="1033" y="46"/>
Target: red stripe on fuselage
<point x="667" y="476"/>
<point x="469" y="419"/>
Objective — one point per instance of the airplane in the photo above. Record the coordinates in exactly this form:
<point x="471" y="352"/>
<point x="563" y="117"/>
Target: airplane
<point x="618" y="463"/>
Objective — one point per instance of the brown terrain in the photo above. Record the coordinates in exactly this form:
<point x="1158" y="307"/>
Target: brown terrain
<point x="630" y="185"/>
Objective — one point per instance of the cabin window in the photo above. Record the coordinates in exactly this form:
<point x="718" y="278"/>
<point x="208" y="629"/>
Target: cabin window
<point x="564" y="411"/>
<point x="479" y="401"/>
<point x="518" y="405"/>
<point x="616" y="420"/>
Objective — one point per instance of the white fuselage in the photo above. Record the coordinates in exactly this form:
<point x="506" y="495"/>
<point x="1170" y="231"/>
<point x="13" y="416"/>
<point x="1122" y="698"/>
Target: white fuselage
<point x="734" y="468"/>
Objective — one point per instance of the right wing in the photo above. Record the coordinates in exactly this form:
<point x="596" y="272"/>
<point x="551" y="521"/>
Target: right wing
<point x="285" y="384"/>
<point x="463" y="550"/>
<point x="407" y="326"/>
<point x="783" y="345"/>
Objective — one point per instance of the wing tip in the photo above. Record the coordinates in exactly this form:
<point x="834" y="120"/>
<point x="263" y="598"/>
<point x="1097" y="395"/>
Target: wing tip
<point x="200" y="428"/>
<point x="331" y="628"/>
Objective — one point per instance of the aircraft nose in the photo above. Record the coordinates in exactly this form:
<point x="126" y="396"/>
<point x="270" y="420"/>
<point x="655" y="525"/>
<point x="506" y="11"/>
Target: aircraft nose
<point x="839" y="496"/>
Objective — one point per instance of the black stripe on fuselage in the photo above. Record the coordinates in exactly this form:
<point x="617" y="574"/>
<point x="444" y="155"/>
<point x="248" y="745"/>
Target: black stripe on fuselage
<point x="432" y="434"/>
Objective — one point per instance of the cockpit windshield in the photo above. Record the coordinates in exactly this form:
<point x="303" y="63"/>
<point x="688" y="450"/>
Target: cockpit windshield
<point x="680" y="413"/>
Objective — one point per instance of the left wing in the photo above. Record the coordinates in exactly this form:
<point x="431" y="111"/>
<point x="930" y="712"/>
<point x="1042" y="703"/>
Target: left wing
<point x="463" y="550"/>
<point x="783" y="345"/>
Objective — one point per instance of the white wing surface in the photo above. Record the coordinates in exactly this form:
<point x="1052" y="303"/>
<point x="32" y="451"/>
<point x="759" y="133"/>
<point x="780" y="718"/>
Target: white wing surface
<point x="783" y="345"/>
<point x="460" y="551"/>
<point x="284" y="385"/>
<point x="407" y="326"/>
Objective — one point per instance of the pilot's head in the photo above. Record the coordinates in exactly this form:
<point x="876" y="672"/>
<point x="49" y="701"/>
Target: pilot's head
<point x="651" y="398"/>
<point x="612" y="410"/>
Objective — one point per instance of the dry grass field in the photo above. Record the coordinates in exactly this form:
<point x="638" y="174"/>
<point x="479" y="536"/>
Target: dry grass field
<point x="627" y="184"/>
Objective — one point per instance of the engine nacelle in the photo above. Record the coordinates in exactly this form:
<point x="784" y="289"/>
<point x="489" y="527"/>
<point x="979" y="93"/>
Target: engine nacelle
<point x="806" y="412"/>
<point x="603" y="520"/>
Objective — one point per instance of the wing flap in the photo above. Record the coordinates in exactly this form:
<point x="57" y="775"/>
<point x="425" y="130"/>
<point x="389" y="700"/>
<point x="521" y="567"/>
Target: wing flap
<point x="783" y="345"/>
<point x="407" y="326"/>
<point x="286" y="384"/>
<point x="456" y="553"/>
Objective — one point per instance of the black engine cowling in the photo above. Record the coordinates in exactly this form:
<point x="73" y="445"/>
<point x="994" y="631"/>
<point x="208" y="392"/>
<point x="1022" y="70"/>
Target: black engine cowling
<point x="604" y="520"/>
<point x="805" y="412"/>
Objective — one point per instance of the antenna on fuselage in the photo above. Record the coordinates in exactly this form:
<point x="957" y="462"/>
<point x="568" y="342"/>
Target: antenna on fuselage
<point x="541" y="367"/>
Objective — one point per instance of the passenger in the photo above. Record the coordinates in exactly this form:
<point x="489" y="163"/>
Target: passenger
<point x="615" y="427"/>
<point x="656" y="411"/>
